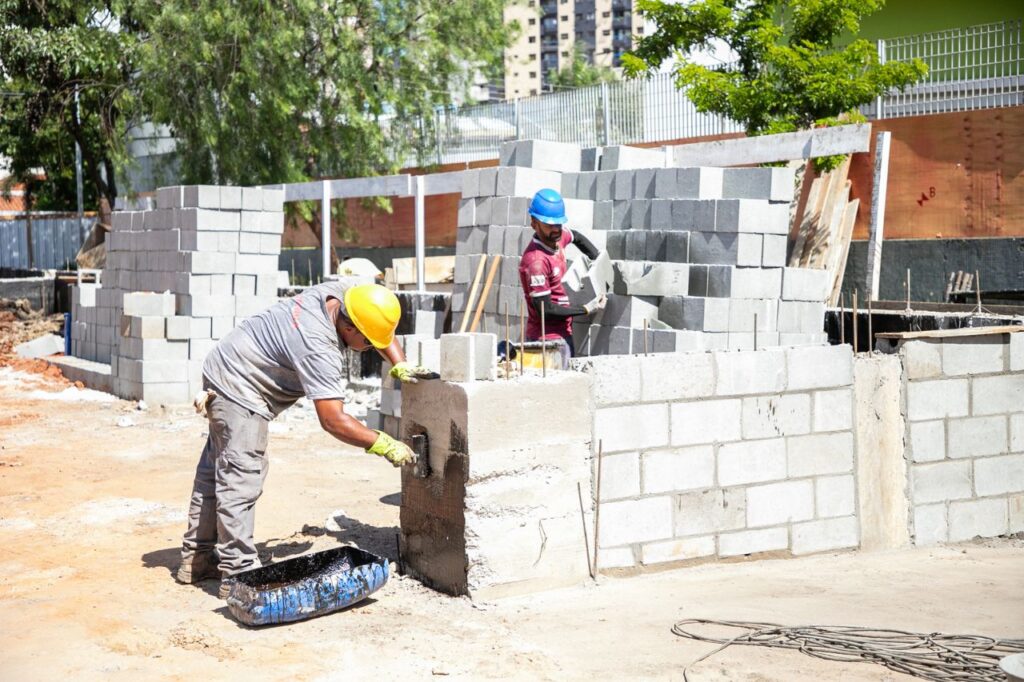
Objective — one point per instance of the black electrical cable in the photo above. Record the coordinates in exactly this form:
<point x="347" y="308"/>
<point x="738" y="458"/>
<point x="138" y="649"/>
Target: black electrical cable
<point x="933" y="656"/>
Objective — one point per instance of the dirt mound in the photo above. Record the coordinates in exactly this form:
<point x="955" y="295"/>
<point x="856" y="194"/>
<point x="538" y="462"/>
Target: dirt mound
<point x="18" y="324"/>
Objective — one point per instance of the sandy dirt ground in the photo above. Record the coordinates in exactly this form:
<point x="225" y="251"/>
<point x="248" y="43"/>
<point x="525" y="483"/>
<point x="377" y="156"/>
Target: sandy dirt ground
<point x="91" y="515"/>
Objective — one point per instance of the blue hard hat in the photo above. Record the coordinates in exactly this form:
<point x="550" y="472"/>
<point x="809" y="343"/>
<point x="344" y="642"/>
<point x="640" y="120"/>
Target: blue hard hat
<point x="547" y="206"/>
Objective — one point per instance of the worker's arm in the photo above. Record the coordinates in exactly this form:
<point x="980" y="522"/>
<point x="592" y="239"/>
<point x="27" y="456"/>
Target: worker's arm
<point x="343" y="426"/>
<point x="402" y="370"/>
<point x="585" y="246"/>
<point x="556" y="312"/>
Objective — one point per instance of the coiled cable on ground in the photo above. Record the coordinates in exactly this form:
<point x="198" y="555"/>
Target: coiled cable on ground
<point x="933" y="656"/>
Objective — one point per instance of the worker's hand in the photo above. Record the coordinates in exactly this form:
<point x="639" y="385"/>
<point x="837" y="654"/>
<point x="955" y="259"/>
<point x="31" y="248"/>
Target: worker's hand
<point x="408" y="373"/>
<point x="597" y="304"/>
<point x="394" y="451"/>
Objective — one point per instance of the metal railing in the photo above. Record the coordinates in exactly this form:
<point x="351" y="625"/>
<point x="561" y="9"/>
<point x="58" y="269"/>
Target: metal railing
<point x="978" y="67"/>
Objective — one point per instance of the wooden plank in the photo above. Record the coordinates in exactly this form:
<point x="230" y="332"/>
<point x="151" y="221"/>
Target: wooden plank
<point x="803" y="144"/>
<point x="947" y="333"/>
<point x="843" y="250"/>
<point x="807" y="221"/>
<point x="438" y="269"/>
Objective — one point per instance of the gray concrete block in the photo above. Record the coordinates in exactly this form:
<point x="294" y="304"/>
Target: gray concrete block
<point x="525" y="182"/>
<point x="542" y="154"/>
<point x="665" y="183"/>
<point x="819" y="367"/>
<point x="518" y="211"/>
<point x="775" y="184"/>
<point x="773" y="250"/>
<point x="801" y="317"/>
<point x="469" y="357"/>
<point x="620" y="215"/>
<point x="656" y="246"/>
<point x="716" y="248"/>
<point x="466" y="215"/>
<point x="488" y="182"/>
<point x="698" y="284"/>
<point x="201" y="196"/>
<point x="978" y="436"/>
<point x="166" y="197"/>
<point x="231" y="198"/>
<point x="604" y="186"/>
<point x="699" y="183"/>
<point x="603" y="215"/>
<point x="623" y="185"/>
<point x="586" y="184"/>
<point x="616" y="245"/>
<point x="937" y="399"/>
<point x="745" y="313"/>
<point x="659" y="279"/>
<point x="643" y="183"/>
<point x="693" y="215"/>
<point x="719" y="281"/>
<point x="470" y="184"/>
<point x="608" y="340"/>
<point x="996" y="394"/>
<point x="590" y="159"/>
<point x="974" y="355"/>
<point x="748" y="215"/>
<point x="625" y="157"/>
<point x="570" y="184"/>
<point x="636" y="245"/>
<point x="627" y="311"/>
<point x="639" y="214"/>
<point x="661" y="214"/>
<point x="677" y="247"/>
<point x="756" y="283"/>
<point x="753" y="461"/>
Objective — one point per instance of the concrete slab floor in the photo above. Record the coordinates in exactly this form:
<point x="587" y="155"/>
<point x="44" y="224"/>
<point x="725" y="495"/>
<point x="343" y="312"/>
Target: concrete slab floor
<point x="91" y="516"/>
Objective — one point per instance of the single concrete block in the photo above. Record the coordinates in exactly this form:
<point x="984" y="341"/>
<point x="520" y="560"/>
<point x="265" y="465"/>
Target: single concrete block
<point x="616" y="557"/>
<point x="819" y="454"/>
<point x="776" y="415"/>
<point x="800" y="317"/>
<point x="693" y="215"/>
<point x="179" y="328"/>
<point x="620" y="214"/>
<point x="586" y="184"/>
<point x="833" y="410"/>
<point x="468" y="357"/>
<point x="580" y="214"/>
<point x="710" y="511"/>
<point x="747" y="372"/>
<point x="745" y="215"/>
<point x="938" y="398"/>
<point x="997" y="394"/>
<point x="999" y="475"/>
<point x="677" y="247"/>
<point x="470" y="184"/>
<point x="834" y="496"/>
<point x="640" y="215"/>
<point x="201" y="196"/>
<point x="778" y="503"/>
<point x="977" y="518"/>
<point x="940" y="481"/>
<point x="752" y="541"/>
<point x="752" y="461"/>
<point x="699" y="183"/>
<point x="775" y="184"/>
<point x="749" y="248"/>
<point x="40" y="347"/>
<point x="617" y="379"/>
<point x="974" y="355"/>
<point x="145" y="303"/>
<point x="756" y="283"/>
<point x="631" y="521"/>
<point x="805" y="284"/>
<point x="542" y="154"/>
<point x="922" y="358"/>
<point x="525" y="182"/>
<point x="773" y="250"/>
<point x="466" y="213"/>
<point x="678" y="376"/>
<point x="273" y="200"/>
<point x="1016" y="352"/>
<point x="627" y="311"/>
<point x="719" y="281"/>
<point x="819" y="367"/>
<point x="928" y="440"/>
<point x="620" y="476"/>
<point x="631" y="427"/>
<point x="623" y="185"/>
<point x="678" y="469"/>
<point x="978" y="436"/>
<point x="821" y="536"/>
<point x="930" y="525"/>
<point x="677" y="550"/>
<point x="625" y="157"/>
<point x="231" y="198"/>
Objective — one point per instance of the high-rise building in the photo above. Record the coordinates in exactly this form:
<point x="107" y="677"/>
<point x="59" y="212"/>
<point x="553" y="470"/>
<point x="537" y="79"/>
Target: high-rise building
<point x="550" y="30"/>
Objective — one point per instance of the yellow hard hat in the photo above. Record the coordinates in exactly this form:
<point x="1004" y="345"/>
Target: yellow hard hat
<point x="375" y="312"/>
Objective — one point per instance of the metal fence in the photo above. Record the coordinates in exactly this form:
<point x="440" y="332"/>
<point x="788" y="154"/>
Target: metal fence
<point x="55" y="242"/>
<point x="978" y="67"/>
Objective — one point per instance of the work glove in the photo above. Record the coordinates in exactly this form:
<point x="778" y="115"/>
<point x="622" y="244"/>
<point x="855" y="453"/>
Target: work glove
<point x="597" y="304"/>
<point x="408" y="373"/>
<point x="394" y="451"/>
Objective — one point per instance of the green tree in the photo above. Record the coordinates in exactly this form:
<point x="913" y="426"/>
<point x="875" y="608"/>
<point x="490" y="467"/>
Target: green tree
<point x="49" y="53"/>
<point x="580" y="72"/>
<point x="797" y="66"/>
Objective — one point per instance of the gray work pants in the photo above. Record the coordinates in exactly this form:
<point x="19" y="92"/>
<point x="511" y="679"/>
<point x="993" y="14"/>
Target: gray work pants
<point x="229" y="480"/>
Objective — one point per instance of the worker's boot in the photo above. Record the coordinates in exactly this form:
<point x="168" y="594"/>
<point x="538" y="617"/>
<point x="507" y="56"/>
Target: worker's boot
<point x="200" y="566"/>
<point x="225" y="588"/>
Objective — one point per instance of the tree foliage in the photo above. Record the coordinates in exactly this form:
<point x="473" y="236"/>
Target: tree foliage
<point x="49" y="52"/>
<point x="798" y="66"/>
<point x="580" y="72"/>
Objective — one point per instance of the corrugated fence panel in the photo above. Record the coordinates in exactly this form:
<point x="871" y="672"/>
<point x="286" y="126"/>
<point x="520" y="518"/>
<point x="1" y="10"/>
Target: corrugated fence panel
<point x="55" y="242"/>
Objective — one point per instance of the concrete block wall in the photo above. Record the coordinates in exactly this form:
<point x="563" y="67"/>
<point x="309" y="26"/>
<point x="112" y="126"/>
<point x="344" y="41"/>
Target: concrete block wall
<point x="178" y="277"/>
<point x="964" y="407"/>
<point x="705" y="246"/>
<point x="719" y="454"/>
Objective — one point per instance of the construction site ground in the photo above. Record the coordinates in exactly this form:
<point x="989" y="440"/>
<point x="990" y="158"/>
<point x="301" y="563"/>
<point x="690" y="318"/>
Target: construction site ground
<point x="91" y="514"/>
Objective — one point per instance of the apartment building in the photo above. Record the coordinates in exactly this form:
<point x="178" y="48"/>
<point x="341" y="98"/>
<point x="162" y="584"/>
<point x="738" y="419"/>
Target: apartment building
<point x="551" y="29"/>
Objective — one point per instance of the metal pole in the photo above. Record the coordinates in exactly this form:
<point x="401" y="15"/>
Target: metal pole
<point x="515" y="115"/>
<point x="881" y="60"/>
<point x="78" y="177"/>
<point x="325" y="228"/>
<point x="421" y="248"/>
<point x="607" y="115"/>
<point x="882" y="142"/>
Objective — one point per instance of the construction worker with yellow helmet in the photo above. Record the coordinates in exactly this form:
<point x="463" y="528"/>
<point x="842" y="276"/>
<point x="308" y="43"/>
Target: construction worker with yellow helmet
<point x="289" y="351"/>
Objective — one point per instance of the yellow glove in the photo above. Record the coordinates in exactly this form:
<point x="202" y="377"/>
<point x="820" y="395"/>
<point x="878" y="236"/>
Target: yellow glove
<point x="394" y="451"/>
<point x="408" y="373"/>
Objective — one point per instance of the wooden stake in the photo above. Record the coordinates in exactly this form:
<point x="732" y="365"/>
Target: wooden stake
<point x="508" y="350"/>
<point x="871" y="333"/>
<point x="597" y="504"/>
<point x="842" y="319"/>
<point x="487" y="290"/>
<point x="472" y="293"/>
<point x="977" y="289"/>
<point x="522" y="334"/>
<point x="855" y="321"/>
<point x="908" y="290"/>
<point x="583" y="517"/>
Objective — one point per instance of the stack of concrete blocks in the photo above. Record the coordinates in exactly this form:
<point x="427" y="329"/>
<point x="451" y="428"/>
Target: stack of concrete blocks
<point x="965" y="436"/>
<point x="724" y="453"/>
<point x="178" y="278"/>
<point x="497" y="515"/>
<point x="699" y="254"/>
<point x="420" y="348"/>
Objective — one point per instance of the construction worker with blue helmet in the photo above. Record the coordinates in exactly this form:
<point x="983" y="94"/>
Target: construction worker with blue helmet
<point x="542" y="267"/>
<point x="291" y="350"/>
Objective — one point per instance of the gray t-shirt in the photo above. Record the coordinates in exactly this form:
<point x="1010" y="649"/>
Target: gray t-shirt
<point x="289" y="350"/>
